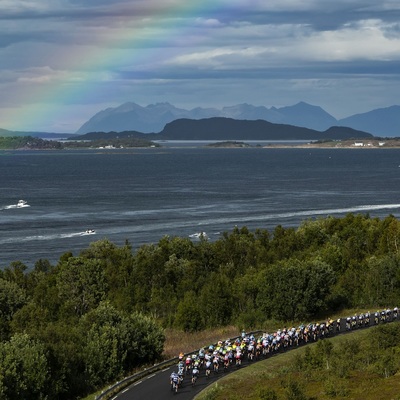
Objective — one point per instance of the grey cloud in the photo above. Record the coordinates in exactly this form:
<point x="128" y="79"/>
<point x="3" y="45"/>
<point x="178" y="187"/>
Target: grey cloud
<point x="273" y="52"/>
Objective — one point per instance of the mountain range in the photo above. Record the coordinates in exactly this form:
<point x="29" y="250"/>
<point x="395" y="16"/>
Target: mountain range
<point x="383" y="122"/>
<point x="221" y="128"/>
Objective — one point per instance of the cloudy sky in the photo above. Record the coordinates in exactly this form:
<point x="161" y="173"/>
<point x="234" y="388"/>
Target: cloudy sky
<point x="61" y="61"/>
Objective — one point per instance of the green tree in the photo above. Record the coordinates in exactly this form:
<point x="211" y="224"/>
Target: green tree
<point x="294" y="290"/>
<point x="382" y="281"/>
<point x="147" y="340"/>
<point x="148" y="272"/>
<point x="237" y="249"/>
<point x="106" y="344"/>
<point x="188" y="315"/>
<point x="81" y="284"/>
<point x="217" y="300"/>
<point x="312" y="234"/>
<point x="31" y="319"/>
<point x="284" y="243"/>
<point x="12" y="298"/>
<point x="390" y="238"/>
<point x="16" y="273"/>
<point x="65" y="342"/>
<point x="117" y="264"/>
<point x="24" y="368"/>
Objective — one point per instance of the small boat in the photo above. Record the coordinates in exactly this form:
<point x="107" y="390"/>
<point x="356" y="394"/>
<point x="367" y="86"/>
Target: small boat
<point x="22" y="203"/>
<point x="198" y="235"/>
<point x="90" y="231"/>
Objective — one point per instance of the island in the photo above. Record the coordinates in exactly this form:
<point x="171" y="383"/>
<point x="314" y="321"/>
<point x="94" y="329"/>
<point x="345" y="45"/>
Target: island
<point x="368" y="143"/>
<point x="36" y="143"/>
<point x="230" y="144"/>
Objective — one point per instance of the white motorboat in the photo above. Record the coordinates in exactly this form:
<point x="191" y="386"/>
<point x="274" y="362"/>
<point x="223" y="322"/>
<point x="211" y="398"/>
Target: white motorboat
<point x="22" y="203"/>
<point x="90" y="231"/>
<point x="198" y="235"/>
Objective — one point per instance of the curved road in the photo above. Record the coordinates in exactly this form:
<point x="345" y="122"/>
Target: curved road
<point x="157" y="386"/>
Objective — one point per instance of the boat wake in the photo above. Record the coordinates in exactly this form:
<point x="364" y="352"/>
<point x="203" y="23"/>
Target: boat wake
<point x="48" y="237"/>
<point x="20" y="204"/>
<point x="300" y="214"/>
<point x="212" y="223"/>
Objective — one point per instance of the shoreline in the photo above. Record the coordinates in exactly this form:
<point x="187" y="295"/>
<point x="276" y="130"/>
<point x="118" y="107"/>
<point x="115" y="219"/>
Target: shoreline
<point x="392" y="143"/>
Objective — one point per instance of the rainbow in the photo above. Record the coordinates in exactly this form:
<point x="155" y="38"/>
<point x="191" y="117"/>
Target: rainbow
<point x="48" y="101"/>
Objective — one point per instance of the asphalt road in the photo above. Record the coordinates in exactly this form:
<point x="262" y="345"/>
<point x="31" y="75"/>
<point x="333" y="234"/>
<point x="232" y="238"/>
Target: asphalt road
<point x="157" y="386"/>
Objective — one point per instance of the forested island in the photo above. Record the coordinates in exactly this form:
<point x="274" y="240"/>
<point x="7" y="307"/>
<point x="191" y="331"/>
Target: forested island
<point x="229" y="144"/>
<point x="36" y="143"/>
<point x="69" y="328"/>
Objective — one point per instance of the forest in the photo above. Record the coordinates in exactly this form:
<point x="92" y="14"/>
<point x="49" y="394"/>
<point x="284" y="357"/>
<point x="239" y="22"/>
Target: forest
<point x="69" y="328"/>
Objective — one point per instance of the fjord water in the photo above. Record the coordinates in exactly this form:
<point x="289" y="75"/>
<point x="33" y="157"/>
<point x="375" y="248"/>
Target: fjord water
<point x="143" y="194"/>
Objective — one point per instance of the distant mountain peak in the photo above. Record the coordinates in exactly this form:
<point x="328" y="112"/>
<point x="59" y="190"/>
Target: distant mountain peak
<point x="303" y="106"/>
<point x="125" y="107"/>
<point x="380" y="122"/>
<point x="161" y="104"/>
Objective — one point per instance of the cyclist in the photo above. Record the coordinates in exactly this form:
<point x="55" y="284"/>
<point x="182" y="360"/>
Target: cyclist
<point x="238" y="357"/>
<point x="174" y="379"/>
<point x="188" y="363"/>
<point x="216" y="363"/>
<point x="208" y="368"/>
<point x="338" y="325"/>
<point x="360" y="320"/>
<point x="195" y="375"/>
<point x="226" y="361"/>
<point x="367" y="318"/>
<point x="201" y="356"/>
<point x="181" y="373"/>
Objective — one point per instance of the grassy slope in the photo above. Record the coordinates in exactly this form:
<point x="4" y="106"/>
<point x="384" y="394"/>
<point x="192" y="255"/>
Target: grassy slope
<point x="251" y="382"/>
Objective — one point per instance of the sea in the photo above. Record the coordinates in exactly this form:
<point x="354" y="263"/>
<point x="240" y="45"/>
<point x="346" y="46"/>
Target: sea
<point x="180" y="189"/>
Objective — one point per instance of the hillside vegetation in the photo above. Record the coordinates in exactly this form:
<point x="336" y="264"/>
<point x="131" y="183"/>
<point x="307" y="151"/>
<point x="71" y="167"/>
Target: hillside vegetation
<point x="70" y="328"/>
<point x="364" y="365"/>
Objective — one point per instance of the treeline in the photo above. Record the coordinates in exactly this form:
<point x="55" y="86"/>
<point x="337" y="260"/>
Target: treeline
<point x="35" y="143"/>
<point x="28" y="142"/>
<point x="117" y="142"/>
<point x="66" y="329"/>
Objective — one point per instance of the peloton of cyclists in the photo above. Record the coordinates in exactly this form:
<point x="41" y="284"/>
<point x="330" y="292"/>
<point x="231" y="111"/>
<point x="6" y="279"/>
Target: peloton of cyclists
<point x="229" y="352"/>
